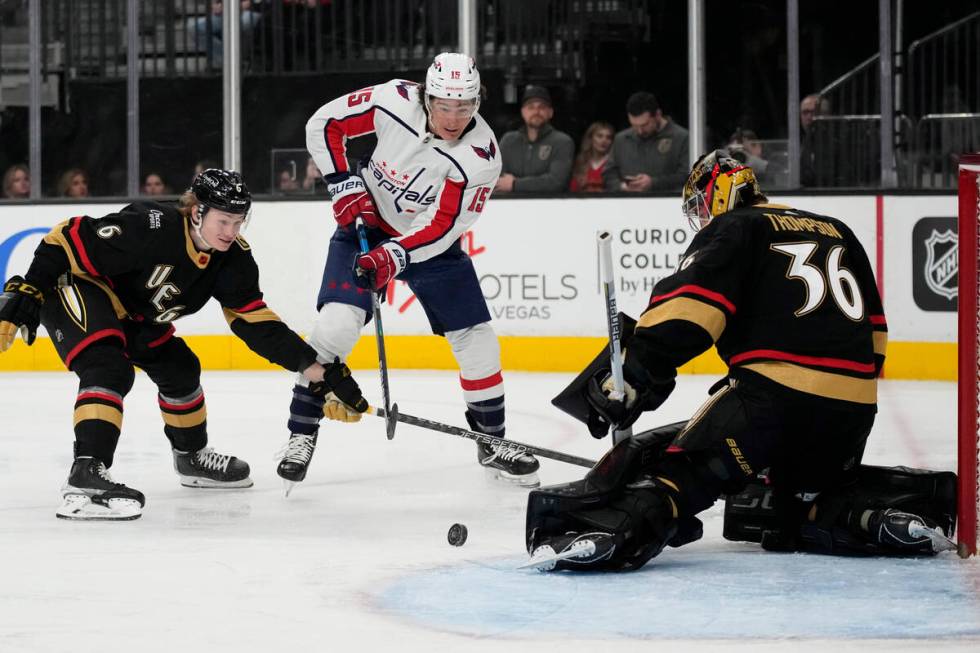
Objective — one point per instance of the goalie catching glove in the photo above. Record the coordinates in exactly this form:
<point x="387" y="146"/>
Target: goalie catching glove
<point x="342" y="396"/>
<point x="20" y="309"/>
<point x="350" y="200"/>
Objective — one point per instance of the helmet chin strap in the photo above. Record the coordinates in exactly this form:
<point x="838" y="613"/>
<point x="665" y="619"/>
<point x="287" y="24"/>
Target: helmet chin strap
<point x="197" y="224"/>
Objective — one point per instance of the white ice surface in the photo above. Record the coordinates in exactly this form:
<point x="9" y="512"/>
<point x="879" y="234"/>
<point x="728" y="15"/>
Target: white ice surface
<point x="357" y="558"/>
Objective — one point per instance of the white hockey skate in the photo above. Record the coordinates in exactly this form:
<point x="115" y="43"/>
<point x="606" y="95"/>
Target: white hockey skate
<point x="90" y="494"/>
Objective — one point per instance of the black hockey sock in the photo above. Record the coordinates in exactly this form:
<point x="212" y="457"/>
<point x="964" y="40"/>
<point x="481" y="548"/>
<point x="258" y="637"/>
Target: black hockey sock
<point x="305" y="411"/>
<point x="185" y="420"/>
<point x="487" y="416"/>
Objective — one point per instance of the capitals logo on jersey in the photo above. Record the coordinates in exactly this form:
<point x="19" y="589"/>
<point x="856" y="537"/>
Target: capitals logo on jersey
<point x="488" y="152"/>
<point x="404" y="87"/>
<point x="401" y="186"/>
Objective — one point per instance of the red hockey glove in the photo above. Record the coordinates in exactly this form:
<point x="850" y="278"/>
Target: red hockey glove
<point x="350" y="199"/>
<point x="379" y="266"/>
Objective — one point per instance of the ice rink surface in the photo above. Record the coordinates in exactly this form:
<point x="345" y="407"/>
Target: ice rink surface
<point x="357" y="558"/>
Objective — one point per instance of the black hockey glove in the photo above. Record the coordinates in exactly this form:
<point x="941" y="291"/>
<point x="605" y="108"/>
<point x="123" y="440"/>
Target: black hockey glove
<point x="620" y="413"/>
<point x="342" y="396"/>
<point x="20" y="309"/>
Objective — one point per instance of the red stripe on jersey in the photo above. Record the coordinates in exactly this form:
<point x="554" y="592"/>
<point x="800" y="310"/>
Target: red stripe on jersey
<point x="481" y="384"/>
<point x="190" y="404"/>
<point x="80" y="247"/>
<point x="335" y="131"/>
<point x="251" y="306"/>
<point x="878" y="319"/>
<point x="450" y="206"/>
<point x="162" y="339"/>
<point x="820" y="361"/>
<point x="98" y="335"/>
<point x="674" y="449"/>
<point x="100" y="395"/>
<point x="697" y="290"/>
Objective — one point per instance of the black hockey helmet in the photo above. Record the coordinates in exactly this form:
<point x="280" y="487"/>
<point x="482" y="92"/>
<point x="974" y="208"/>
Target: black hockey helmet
<point x="224" y="190"/>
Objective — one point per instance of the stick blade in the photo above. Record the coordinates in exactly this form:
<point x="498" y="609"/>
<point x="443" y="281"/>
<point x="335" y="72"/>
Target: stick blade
<point x="391" y="420"/>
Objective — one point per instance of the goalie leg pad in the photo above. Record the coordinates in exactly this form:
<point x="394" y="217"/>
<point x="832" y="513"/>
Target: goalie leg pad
<point x="857" y="520"/>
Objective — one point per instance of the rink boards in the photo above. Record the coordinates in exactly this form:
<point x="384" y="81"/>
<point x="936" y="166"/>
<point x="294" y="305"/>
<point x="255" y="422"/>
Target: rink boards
<point x="537" y="264"/>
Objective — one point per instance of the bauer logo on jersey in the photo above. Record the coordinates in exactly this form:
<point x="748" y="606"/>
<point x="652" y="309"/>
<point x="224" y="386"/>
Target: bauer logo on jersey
<point x="935" y="266"/>
<point x="489" y="152"/>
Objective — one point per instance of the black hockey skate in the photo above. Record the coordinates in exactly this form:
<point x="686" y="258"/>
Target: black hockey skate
<point x="296" y="457"/>
<point x="210" y="469"/>
<point x="901" y="530"/>
<point x="91" y="494"/>
<point x="584" y="552"/>
<point x="512" y="465"/>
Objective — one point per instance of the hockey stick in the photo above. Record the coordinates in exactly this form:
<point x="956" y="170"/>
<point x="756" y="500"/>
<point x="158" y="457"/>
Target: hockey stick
<point x="483" y="438"/>
<point x="604" y="243"/>
<point x="391" y="411"/>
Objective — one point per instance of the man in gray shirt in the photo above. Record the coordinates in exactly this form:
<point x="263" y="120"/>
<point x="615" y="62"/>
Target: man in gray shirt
<point x="536" y="157"/>
<point x="651" y="154"/>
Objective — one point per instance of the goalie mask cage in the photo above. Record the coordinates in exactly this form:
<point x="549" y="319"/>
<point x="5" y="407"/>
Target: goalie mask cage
<point x="969" y="350"/>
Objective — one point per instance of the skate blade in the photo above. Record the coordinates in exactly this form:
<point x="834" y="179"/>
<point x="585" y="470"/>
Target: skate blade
<point x="210" y="484"/>
<point x="939" y="541"/>
<point x="547" y="561"/>
<point x="288" y="486"/>
<point x="79" y="507"/>
<point x="525" y="480"/>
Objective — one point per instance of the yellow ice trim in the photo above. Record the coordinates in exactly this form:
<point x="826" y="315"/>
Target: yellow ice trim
<point x="906" y="360"/>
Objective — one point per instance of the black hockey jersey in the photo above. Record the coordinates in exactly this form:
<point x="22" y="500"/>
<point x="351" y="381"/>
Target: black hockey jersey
<point x="784" y="293"/>
<point x="143" y="257"/>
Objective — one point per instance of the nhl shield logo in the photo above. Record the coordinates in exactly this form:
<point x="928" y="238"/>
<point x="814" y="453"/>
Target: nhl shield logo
<point x="941" y="265"/>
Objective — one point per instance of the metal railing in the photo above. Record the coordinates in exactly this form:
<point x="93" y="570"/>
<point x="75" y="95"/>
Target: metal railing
<point x="940" y="139"/>
<point x="944" y="69"/>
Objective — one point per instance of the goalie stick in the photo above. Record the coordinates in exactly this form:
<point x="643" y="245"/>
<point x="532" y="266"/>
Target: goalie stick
<point x="391" y="411"/>
<point x="481" y="437"/>
<point x="604" y="244"/>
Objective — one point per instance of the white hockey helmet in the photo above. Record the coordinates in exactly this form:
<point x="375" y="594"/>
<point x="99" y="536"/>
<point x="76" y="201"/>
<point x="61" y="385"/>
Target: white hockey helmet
<point x="453" y="76"/>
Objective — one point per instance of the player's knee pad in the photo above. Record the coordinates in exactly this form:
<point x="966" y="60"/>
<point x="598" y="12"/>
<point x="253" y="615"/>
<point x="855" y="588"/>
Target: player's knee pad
<point x="477" y="350"/>
<point x="104" y="365"/>
<point x="335" y="332"/>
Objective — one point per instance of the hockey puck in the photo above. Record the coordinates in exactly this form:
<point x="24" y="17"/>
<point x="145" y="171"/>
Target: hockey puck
<point x="457" y="535"/>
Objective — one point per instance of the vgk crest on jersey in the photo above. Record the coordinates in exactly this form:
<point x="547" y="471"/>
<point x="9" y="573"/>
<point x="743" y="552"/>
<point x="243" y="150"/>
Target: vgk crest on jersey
<point x="163" y="292"/>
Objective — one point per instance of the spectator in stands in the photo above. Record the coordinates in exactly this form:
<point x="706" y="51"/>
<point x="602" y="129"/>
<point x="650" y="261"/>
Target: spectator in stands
<point x="286" y="182"/>
<point x="153" y="184"/>
<point x="205" y="32"/>
<point x="312" y="176"/>
<point x="536" y="157"/>
<point x="17" y="182"/>
<point x="592" y="159"/>
<point x="73" y="183"/>
<point x="651" y="154"/>
<point x="811" y="106"/>
<point x="744" y="145"/>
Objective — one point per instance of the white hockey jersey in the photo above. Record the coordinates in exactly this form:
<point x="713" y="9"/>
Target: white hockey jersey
<point x="428" y="191"/>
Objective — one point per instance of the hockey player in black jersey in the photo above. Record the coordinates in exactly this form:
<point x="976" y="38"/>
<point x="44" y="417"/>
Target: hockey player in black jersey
<point x="108" y="291"/>
<point x="789" y="300"/>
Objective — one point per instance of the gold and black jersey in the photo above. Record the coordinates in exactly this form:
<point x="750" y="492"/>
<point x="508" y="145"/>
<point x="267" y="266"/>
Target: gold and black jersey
<point x="784" y="293"/>
<point x="144" y="258"/>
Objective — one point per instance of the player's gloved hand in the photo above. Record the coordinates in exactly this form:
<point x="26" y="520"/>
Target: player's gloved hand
<point x="344" y="401"/>
<point x="379" y="266"/>
<point x="20" y="309"/>
<point x="350" y="200"/>
<point x="608" y="410"/>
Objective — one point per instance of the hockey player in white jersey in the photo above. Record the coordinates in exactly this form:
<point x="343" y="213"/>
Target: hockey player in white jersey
<point x="426" y="183"/>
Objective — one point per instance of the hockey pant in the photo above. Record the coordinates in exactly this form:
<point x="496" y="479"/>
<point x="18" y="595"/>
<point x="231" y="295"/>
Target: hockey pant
<point x="100" y="345"/>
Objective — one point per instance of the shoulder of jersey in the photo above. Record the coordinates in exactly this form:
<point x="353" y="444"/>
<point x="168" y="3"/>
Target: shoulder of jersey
<point x="479" y="146"/>
<point x="398" y="95"/>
